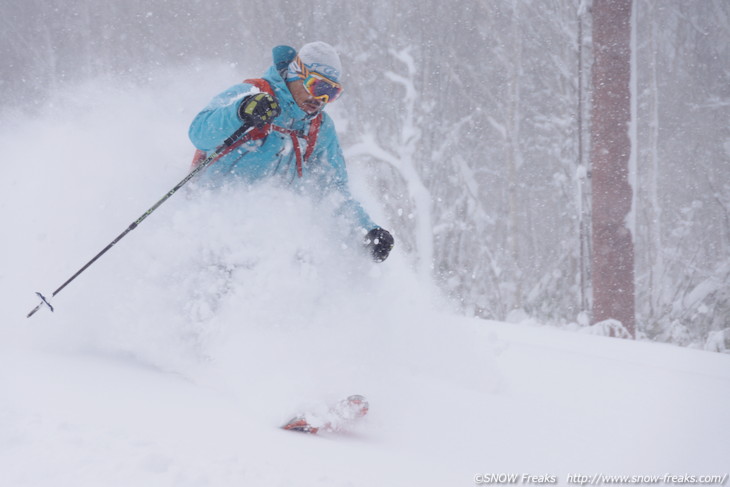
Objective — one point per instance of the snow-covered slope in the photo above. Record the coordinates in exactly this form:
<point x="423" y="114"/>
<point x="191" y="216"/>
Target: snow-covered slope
<point x="565" y="404"/>
<point x="174" y="358"/>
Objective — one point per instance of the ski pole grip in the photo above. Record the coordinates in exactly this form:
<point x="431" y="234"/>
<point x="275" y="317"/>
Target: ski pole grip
<point x="237" y="134"/>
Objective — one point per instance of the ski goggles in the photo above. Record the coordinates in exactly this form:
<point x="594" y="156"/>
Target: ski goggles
<point x="322" y="88"/>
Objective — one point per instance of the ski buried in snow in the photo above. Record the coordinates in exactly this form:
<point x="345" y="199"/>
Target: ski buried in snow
<point x="338" y="418"/>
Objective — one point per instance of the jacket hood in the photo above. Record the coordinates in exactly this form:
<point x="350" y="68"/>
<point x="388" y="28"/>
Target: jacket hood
<point x="289" y="108"/>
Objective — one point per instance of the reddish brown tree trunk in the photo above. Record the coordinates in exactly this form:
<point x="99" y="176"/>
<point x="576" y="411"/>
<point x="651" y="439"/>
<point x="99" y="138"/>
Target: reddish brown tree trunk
<point x="613" y="250"/>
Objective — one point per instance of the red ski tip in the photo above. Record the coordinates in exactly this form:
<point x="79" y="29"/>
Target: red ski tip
<point x="337" y="418"/>
<point x="301" y="425"/>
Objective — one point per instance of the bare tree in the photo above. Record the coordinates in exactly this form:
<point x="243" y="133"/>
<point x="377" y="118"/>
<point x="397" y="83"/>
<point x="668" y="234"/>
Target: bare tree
<point x="613" y="250"/>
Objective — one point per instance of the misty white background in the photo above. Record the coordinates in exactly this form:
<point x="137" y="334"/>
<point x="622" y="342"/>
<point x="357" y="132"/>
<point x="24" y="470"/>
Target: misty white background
<point x="468" y="121"/>
<point x="174" y="358"/>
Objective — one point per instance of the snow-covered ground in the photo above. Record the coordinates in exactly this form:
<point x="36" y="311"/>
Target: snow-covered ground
<point x="173" y="360"/>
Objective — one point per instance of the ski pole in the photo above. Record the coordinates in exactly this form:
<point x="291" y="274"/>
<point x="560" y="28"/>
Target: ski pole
<point x="219" y="151"/>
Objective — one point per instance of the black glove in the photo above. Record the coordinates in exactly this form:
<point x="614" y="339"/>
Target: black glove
<point x="258" y="110"/>
<point x="379" y="242"/>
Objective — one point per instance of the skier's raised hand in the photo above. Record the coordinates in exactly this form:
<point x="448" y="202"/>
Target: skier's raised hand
<point x="259" y="109"/>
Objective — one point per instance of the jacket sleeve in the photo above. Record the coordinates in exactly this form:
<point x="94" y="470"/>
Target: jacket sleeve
<point x="335" y="179"/>
<point x="219" y="119"/>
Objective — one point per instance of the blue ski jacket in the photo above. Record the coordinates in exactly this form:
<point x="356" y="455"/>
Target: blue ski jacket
<point x="323" y="174"/>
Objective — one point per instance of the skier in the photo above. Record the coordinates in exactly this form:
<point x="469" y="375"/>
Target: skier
<point x="293" y="139"/>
